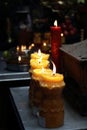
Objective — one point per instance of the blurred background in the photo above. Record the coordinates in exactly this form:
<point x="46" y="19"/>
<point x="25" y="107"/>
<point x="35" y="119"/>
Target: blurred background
<point x="21" y="20"/>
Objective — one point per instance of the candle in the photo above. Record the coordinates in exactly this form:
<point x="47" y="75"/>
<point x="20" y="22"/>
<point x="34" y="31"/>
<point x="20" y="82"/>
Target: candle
<point x="37" y="73"/>
<point x="55" y="44"/>
<point x="52" y="79"/>
<point x="44" y="47"/>
<point x="38" y="63"/>
<point x="23" y="48"/>
<point x="62" y="38"/>
<point x="37" y="55"/>
<point x="51" y="106"/>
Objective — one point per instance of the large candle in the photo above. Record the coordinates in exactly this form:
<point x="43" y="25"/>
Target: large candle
<point x="51" y="108"/>
<point x="55" y="44"/>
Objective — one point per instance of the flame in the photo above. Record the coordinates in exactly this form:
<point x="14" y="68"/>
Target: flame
<point x="23" y="48"/>
<point x="18" y="48"/>
<point x="55" y="23"/>
<point x="39" y="52"/>
<point x="62" y="35"/>
<point x="54" y="68"/>
<point x="31" y="46"/>
<point x="19" y="58"/>
<point x="44" y="44"/>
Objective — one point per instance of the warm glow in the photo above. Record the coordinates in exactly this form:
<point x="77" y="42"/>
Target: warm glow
<point x="32" y="44"/>
<point x="55" y="23"/>
<point x="30" y="47"/>
<point x="44" y="44"/>
<point x="19" y="58"/>
<point x="54" y="68"/>
<point x="39" y="52"/>
<point x="62" y="35"/>
<point x="60" y="2"/>
<point x="23" y="48"/>
<point x="18" y="48"/>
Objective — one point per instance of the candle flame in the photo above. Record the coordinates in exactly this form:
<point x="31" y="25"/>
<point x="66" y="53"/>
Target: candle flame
<point x="62" y="35"/>
<point x="32" y="45"/>
<point x="55" y="23"/>
<point x="44" y="44"/>
<point x="23" y="48"/>
<point x="54" y="68"/>
<point x="19" y="58"/>
<point x="39" y="52"/>
<point x="18" y="48"/>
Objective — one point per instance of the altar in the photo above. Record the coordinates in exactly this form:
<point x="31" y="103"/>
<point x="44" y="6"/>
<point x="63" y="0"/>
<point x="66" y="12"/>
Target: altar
<point x="20" y="101"/>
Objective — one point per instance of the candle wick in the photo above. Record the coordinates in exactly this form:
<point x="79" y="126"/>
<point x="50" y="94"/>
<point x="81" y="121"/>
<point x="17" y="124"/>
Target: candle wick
<point x="53" y="73"/>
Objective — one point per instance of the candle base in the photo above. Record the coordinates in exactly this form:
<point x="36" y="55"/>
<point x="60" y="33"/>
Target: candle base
<point x="51" y="109"/>
<point x="35" y="96"/>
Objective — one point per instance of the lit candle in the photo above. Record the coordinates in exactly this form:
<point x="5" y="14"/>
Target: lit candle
<point x="44" y="47"/>
<point x="55" y="44"/>
<point x="52" y="80"/>
<point x="19" y="59"/>
<point x="23" y="48"/>
<point x="38" y="63"/>
<point x="37" y="73"/>
<point x="62" y="38"/>
<point x="51" y="86"/>
<point x="37" y="55"/>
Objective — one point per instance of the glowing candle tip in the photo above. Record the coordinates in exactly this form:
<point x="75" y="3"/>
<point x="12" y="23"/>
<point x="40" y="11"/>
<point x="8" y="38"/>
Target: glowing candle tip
<point x="55" y="23"/>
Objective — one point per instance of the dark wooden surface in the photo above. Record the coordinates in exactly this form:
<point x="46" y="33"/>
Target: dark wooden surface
<point x="74" y="68"/>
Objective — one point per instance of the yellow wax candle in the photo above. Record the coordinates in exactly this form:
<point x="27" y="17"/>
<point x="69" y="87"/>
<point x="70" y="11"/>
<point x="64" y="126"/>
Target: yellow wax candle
<point x="52" y="80"/>
<point x="37" y="73"/>
<point x="36" y="63"/>
<point x="37" y="55"/>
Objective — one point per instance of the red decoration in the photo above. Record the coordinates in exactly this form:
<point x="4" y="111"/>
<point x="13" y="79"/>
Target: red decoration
<point x="55" y="45"/>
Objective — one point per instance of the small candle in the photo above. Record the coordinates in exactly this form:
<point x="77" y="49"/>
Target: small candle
<point x="37" y="73"/>
<point x="55" y="44"/>
<point x="37" y="63"/>
<point x="62" y="38"/>
<point x="52" y="79"/>
<point x="37" y="55"/>
<point x="44" y="47"/>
